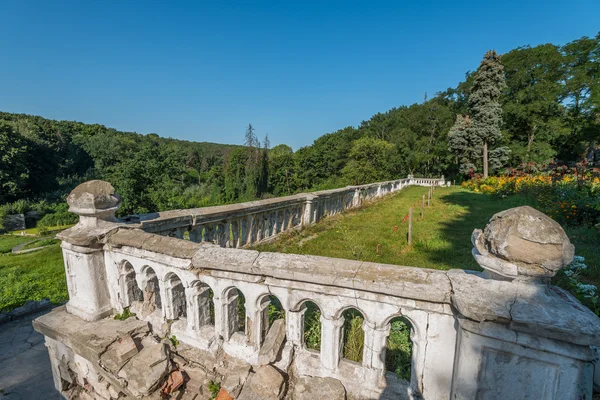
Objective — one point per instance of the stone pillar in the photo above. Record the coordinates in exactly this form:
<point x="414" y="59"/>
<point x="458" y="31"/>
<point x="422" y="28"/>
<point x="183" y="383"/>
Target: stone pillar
<point x="309" y="205"/>
<point x="96" y="203"/>
<point x="331" y="342"/>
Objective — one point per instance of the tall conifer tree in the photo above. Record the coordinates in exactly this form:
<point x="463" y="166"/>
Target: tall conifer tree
<point x="486" y="112"/>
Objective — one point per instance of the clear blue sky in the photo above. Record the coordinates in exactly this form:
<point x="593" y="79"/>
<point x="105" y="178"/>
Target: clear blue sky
<point x="294" y="69"/>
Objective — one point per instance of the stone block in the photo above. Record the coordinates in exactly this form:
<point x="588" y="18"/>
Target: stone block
<point x="146" y="370"/>
<point x="268" y="383"/>
<point x="311" y="388"/>
<point x="273" y="343"/>
<point x="235" y="380"/>
<point x="118" y="353"/>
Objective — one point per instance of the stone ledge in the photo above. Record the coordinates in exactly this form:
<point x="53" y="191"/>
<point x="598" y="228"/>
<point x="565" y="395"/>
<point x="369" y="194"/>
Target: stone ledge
<point x="540" y="310"/>
<point x="88" y="339"/>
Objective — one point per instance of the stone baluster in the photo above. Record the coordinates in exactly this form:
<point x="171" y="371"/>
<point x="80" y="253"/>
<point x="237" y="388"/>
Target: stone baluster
<point x="229" y="315"/>
<point x="254" y="321"/>
<point x="220" y="313"/>
<point x="196" y="233"/>
<point x="209" y="233"/>
<point x="192" y="312"/>
<point x="252" y="228"/>
<point x="235" y="234"/>
<point x="375" y="346"/>
<point x="331" y="342"/>
<point x="167" y="301"/>
<point x="224" y="234"/>
<point x="246" y="234"/>
<point x="278" y="221"/>
<point x="259" y="228"/>
<point x="295" y="326"/>
<point x="180" y="231"/>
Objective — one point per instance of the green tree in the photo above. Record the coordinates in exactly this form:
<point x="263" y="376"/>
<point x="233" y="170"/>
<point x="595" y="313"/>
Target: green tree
<point x="369" y="161"/>
<point x="462" y="145"/>
<point x="485" y="109"/>
<point x="281" y="170"/>
<point x="533" y="113"/>
<point x="13" y="168"/>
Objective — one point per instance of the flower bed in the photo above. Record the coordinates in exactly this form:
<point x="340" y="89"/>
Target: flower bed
<point x="569" y="199"/>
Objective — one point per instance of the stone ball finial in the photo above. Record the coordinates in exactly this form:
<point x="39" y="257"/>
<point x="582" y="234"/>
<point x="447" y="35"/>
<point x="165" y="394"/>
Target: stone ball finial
<point x="522" y="243"/>
<point x="94" y="199"/>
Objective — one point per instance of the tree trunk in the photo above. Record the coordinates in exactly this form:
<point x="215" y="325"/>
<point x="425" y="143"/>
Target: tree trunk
<point x="485" y="159"/>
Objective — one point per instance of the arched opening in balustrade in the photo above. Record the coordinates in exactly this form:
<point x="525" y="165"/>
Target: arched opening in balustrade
<point x="399" y="347"/>
<point x="353" y="335"/>
<point x="152" y="299"/>
<point x="130" y="292"/>
<point x="176" y="296"/>
<point x="234" y="312"/>
<point x="271" y="310"/>
<point x="203" y="305"/>
<point x="311" y="326"/>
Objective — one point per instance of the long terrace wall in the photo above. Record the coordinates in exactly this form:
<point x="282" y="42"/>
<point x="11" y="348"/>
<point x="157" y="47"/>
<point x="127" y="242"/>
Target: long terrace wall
<point x="242" y="224"/>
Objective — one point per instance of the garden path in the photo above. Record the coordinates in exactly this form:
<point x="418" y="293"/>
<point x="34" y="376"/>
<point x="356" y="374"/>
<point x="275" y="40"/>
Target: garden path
<point x="25" y="371"/>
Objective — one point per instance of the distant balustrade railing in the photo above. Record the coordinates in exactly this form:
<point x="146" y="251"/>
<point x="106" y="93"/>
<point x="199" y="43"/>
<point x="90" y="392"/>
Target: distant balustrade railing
<point x="239" y="225"/>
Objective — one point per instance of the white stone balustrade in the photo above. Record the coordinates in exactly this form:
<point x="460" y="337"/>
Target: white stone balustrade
<point x="473" y="336"/>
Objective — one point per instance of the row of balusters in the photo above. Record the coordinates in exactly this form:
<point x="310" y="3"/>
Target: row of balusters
<point x="244" y="230"/>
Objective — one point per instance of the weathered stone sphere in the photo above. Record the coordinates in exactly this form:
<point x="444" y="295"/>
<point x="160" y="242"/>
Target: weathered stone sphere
<point x="94" y="198"/>
<point x="525" y="243"/>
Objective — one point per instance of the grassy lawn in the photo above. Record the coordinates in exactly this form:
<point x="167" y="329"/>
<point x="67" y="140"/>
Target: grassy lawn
<point x="36" y="230"/>
<point x="41" y="243"/>
<point x="31" y="276"/>
<point x="7" y="242"/>
<point x="441" y="240"/>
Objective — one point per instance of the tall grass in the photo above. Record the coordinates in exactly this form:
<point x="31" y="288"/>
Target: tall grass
<point x="312" y="326"/>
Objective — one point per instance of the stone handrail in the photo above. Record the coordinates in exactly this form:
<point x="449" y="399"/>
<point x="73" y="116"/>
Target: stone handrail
<point x="502" y="333"/>
<point x="238" y="225"/>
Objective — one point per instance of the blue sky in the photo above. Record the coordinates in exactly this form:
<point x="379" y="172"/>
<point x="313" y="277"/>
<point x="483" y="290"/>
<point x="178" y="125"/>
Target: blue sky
<point x="294" y="69"/>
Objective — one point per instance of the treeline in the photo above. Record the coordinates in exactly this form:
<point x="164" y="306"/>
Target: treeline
<point x="549" y="109"/>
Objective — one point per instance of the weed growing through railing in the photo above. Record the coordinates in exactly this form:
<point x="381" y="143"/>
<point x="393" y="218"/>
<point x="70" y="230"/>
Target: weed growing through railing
<point x="399" y="349"/>
<point x="275" y="310"/>
<point x="312" y="327"/>
<point x="124" y="315"/>
<point x="174" y="341"/>
<point x="354" y="335"/>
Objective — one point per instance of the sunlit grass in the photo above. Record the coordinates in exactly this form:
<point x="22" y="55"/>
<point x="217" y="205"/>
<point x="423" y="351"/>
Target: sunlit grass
<point x="32" y="276"/>
<point x="441" y="240"/>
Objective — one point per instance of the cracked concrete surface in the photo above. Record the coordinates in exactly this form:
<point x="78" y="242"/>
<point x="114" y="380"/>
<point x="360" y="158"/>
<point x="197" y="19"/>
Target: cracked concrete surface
<point x="25" y="371"/>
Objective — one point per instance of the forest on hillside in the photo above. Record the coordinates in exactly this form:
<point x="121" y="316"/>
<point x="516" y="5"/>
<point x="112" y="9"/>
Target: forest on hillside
<point x="550" y="111"/>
